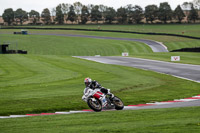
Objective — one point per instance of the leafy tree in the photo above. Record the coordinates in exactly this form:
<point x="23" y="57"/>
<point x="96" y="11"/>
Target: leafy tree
<point x="151" y="13"/>
<point x="53" y="14"/>
<point x="8" y="16"/>
<point x="21" y="15"/>
<point x="164" y="12"/>
<point x="84" y="15"/>
<point x="110" y="14"/>
<point x="65" y="8"/>
<point x="137" y="14"/>
<point x="129" y="11"/>
<point x="89" y="7"/>
<point x="186" y="6"/>
<point x="196" y="4"/>
<point x="46" y="17"/>
<point x="179" y="14"/>
<point x="71" y="14"/>
<point x="34" y="15"/>
<point x="121" y="15"/>
<point x="95" y="14"/>
<point x="102" y="10"/>
<point x="77" y="9"/>
<point x="59" y="14"/>
<point x="193" y="15"/>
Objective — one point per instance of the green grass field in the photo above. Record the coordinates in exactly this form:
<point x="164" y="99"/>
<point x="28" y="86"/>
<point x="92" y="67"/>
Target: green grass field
<point x="172" y="43"/>
<point x="58" y="45"/>
<point x="174" y="120"/>
<point x="46" y="83"/>
<point x="48" y="79"/>
<point x="188" y="29"/>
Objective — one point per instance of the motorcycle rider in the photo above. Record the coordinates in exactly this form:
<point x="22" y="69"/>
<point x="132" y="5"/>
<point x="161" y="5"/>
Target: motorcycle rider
<point x="92" y="85"/>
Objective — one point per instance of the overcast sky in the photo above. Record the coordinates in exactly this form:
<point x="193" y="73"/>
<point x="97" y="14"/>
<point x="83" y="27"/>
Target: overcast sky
<point x="39" y="5"/>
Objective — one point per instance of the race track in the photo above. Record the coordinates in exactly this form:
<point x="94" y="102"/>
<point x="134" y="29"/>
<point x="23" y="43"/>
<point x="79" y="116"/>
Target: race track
<point x="185" y="71"/>
<point x="167" y="104"/>
<point x="155" y="46"/>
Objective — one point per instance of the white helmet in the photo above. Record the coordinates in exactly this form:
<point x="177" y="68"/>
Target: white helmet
<point x="87" y="81"/>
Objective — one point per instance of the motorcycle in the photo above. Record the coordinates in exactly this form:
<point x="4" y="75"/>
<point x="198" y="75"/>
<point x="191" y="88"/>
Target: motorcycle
<point x="97" y="101"/>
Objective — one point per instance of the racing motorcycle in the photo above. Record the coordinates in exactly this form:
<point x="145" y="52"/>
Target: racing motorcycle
<point x="97" y="101"/>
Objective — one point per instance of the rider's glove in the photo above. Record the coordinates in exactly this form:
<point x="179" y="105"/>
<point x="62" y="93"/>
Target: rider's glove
<point x="110" y="94"/>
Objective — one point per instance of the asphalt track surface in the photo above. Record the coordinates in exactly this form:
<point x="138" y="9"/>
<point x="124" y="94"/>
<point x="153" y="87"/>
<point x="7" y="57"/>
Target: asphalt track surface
<point x="155" y="46"/>
<point x="195" y="102"/>
<point x="185" y="71"/>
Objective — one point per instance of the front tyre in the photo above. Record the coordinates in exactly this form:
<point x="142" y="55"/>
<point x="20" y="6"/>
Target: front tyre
<point x="118" y="103"/>
<point x="94" y="104"/>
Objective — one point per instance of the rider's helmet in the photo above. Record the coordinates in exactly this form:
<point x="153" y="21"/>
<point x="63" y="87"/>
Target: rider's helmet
<point x="87" y="81"/>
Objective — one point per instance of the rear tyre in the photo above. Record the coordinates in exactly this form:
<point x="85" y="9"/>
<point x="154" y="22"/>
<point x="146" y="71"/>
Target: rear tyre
<point x="94" y="105"/>
<point x="118" y="103"/>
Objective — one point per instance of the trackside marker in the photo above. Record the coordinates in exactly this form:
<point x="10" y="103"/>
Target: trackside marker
<point x="175" y="58"/>
<point x="4" y="117"/>
<point x="187" y="100"/>
<point x="15" y="116"/>
<point x="139" y="105"/>
<point x="196" y="96"/>
<point x="171" y="101"/>
<point x="193" y="98"/>
<point x="129" y="107"/>
<point x="160" y="103"/>
<point x="33" y="114"/>
<point x="63" y="113"/>
<point x="89" y="110"/>
<point x="48" y="113"/>
<point x="78" y="111"/>
<point x="40" y="114"/>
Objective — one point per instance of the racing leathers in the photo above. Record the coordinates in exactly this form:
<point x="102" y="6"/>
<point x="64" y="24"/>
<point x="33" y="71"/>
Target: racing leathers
<point x="95" y="85"/>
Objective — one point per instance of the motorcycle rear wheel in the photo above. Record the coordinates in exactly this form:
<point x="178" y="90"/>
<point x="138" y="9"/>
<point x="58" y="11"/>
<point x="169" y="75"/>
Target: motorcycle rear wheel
<point x="118" y="103"/>
<point x="94" y="105"/>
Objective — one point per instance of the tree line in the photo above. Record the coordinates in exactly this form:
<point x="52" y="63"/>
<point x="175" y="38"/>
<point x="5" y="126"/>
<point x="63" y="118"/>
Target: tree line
<point x="81" y="14"/>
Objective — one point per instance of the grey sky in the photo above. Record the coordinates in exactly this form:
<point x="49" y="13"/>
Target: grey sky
<point x="39" y="5"/>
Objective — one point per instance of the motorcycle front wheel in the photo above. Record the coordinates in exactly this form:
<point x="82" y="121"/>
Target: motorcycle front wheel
<point x="94" y="104"/>
<point x="118" y="103"/>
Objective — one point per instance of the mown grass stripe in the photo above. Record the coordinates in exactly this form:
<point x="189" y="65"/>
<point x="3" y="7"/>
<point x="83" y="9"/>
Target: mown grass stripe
<point x="62" y="87"/>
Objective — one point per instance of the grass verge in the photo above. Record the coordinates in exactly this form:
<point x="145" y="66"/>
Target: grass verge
<point x="185" y="29"/>
<point x="179" y="120"/>
<point x="185" y="57"/>
<point x="72" y="46"/>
